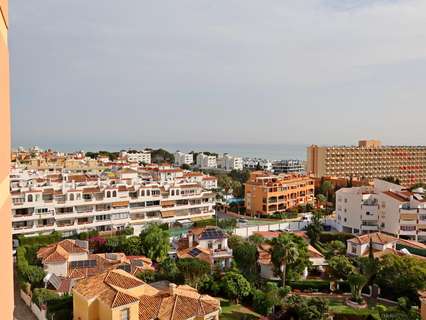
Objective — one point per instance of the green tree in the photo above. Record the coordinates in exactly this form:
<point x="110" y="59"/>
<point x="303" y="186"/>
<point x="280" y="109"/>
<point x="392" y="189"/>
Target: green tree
<point x="245" y="257"/>
<point x="289" y="255"/>
<point x="401" y="276"/>
<point x="235" y="286"/>
<point x="326" y="189"/>
<point x="194" y="271"/>
<point x="357" y="281"/>
<point x="296" y="307"/>
<point x="155" y="242"/>
<point x="334" y="248"/>
<point x="237" y="189"/>
<point x="340" y="267"/>
<point x="168" y="269"/>
<point x="321" y="198"/>
<point x="224" y="182"/>
<point x="131" y="246"/>
<point x="315" y="228"/>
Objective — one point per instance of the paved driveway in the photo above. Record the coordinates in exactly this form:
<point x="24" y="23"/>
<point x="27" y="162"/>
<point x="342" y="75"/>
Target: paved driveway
<point x="21" y="312"/>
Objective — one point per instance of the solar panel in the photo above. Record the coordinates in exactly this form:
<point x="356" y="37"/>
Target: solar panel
<point x="82" y="243"/>
<point x="138" y="263"/>
<point x="125" y="267"/>
<point x="83" y="264"/>
<point x="212" y="234"/>
<point x="194" y="252"/>
<point x="55" y="281"/>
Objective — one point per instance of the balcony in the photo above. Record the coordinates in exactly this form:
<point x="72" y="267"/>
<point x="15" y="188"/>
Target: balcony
<point x="222" y="253"/>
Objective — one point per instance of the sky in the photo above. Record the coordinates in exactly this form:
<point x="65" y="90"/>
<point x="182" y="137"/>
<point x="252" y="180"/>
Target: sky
<point x="137" y="72"/>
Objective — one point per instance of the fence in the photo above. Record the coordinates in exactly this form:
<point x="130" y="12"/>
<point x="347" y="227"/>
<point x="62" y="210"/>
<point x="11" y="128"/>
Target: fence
<point x="40" y="314"/>
<point x="246" y="232"/>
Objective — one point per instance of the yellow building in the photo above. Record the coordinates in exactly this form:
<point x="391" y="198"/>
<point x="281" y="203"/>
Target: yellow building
<point x="117" y="295"/>
<point x="6" y="274"/>
<point x="267" y="194"/>
<point x="369" y="160"/>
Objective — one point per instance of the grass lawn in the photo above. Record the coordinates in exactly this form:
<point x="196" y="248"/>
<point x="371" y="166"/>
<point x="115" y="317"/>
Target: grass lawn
<point x="339" y="307"/>
<point x="236" y="311"/>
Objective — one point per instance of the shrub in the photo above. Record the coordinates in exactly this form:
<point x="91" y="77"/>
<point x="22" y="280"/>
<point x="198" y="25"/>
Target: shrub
<point x="311" y="285"/>
<point x="41" y="240"/>
<point x="331" y="236"/>
<point x="60" y="308"/>
<point x="146" y="276"/>
<point x="41" y="296"/>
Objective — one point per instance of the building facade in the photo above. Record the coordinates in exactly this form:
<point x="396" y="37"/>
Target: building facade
<point x="288" y="166"/>
<point x="369" y="160"/>
<point x="6" y="275"/>
<point x="386" y="207"/>
<point x="257" y="164"/>
<point x="73" y="203"/>
<point x="139" y="157"/>
<point x="229" y="163"/>
<point x="206" y="162"/>
<point x="266" y="194"/>
<point x="182" y="158"/>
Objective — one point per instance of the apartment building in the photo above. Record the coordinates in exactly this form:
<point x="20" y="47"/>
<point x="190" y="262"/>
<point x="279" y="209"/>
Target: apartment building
<point x="288" y="166"/>
<point x="266" y="193"/>
<point x="257" y="164"/>
<point x="385" y="207"/>
<point x="6" y="274"/>
<point x="43" y="202"/>
<point x="117" y="295"/>
<point x="206" y="161"/>
<point x="229" y="163"/>
<point x="136" y="156"/>
<point x="182" y="158"/>
<point x="369" y="160"/>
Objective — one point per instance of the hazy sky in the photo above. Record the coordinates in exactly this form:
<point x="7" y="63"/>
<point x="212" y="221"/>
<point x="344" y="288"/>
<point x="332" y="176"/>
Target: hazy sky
<point x="105" y="72"/>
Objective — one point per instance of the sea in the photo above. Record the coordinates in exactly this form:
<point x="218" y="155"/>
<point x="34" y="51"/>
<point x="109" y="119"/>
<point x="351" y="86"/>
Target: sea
<point x="263" y="151"/>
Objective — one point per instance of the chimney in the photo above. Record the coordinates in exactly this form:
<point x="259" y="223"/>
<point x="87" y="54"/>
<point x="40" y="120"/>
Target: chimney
<point x="172" y="288"/>
<point x="190" y="239"/>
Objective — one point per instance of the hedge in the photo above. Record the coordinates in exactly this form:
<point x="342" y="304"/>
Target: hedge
<point x="28" y="273"/>
<point x="311" y="285"/>
<point x="41" y="240"/>
<point x="326" y="237"/>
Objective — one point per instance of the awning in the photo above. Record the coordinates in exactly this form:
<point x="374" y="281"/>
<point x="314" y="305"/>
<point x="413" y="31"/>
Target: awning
<point x="120" y="204"/>
<point x="168" y="203"/>
<point x="168" y="214"/>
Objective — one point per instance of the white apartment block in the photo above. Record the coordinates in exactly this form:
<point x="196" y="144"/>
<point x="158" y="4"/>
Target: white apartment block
<point x="43" y="202"/>
<point x="141" y="156"/>
<point x="182" y="158"/>
<point x="386" y="207"/>
<point x="228" y="163"/>
<point x="206" y="162"/>
<point x="257" y="164"/>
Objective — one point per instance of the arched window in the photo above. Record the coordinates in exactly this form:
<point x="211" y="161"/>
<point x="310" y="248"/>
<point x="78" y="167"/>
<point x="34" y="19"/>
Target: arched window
<point x="108" y="194"/>
<point x="142" y="193"/>
<point x="173" y="192"/>
<point x="72" y="197"/>
<point x="148" y="192"/>
<point x="30" y="198"/>
<point x="114" y="194"/>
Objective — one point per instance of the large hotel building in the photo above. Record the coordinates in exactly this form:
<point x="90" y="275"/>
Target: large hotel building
<point x="369" y="160"/>
<point x="266" y="193"/>
<point x="6" y="274"/>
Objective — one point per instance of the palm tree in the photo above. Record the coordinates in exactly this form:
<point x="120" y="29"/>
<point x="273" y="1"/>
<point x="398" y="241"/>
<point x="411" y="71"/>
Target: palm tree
<point x="283" y="252"/>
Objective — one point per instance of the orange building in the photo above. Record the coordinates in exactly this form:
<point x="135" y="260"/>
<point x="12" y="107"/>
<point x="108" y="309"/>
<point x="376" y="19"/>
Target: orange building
<point x="266" y="193"/>
<point x="6" y="274"/>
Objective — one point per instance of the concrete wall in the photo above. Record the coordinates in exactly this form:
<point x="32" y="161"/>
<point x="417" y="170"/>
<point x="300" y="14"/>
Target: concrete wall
<point x="6" y="274"/>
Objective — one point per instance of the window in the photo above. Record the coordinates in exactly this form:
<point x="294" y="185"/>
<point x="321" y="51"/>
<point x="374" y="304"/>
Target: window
<point x="30" y="198"/>
<point x="210" y="245"/>
<point x="142" y="193"/>
<point x="353" y="250"/>
<point x="72" y="197"/>
<point x="125" y="314"/>
<point x="114" y="194"/>
<point x="109" y="194"/>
